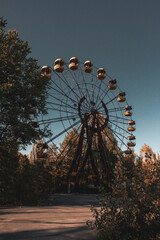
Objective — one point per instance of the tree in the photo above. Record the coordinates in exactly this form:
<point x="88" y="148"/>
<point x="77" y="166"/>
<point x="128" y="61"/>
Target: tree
<point x="22" y="98"/>
<point x="22" y="90"/>
<point x="8" y="172"/>
<point x="33" y="181"/>
<point x="132" y="209"/>
<point x="146" y="152"/>
<point x="67" y="152"/>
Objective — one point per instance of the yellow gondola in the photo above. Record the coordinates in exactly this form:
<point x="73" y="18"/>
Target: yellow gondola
<point x="127" y="113"/>
<point x="131" y="144"/>
<point x="88" y="66"/>
<point x="131" y="122"/>
<point x="59" y="65"/>
<point x="131" y="137"/>
<point x="101" y="74"/>
<point x="128" y="108"/>
<point x="122" y="94"/>
<point x="73" y="63"/>
<point x="46" y="69"/>
<point x="121" y="99"/>
<point x="112" y="86"/>
<point x="131" y="129"/>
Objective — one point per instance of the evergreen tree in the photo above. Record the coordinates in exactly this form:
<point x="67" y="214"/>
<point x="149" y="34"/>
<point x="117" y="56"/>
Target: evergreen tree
<point x="67" y="152"/>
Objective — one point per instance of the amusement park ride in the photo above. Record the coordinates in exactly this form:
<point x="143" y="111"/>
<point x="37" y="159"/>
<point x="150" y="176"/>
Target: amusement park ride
<point x="83" y="96"/>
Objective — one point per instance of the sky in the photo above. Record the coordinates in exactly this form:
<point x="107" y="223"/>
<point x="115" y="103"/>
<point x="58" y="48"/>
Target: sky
<point x="122" y="36"/>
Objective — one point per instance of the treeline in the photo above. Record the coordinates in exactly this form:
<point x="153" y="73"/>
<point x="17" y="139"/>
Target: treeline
<point x="22" y="182"/>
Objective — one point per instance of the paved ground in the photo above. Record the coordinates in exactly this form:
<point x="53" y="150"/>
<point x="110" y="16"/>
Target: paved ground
<point x="64" y="219"/>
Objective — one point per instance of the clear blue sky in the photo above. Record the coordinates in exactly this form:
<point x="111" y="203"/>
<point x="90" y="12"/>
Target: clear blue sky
<point x="121" y="35"/>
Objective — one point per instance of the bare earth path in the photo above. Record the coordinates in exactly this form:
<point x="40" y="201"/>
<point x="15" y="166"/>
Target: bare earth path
<point x="64" y="219"/>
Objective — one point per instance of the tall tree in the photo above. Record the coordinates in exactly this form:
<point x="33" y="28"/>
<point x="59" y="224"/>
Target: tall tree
<point x="68" y="150"/>
<point x="147" y="153"/>
<point x="22" y="99"/>
<point x="22" y="89"/>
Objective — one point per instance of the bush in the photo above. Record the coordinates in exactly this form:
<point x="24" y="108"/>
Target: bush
<point x="132" y="209"/>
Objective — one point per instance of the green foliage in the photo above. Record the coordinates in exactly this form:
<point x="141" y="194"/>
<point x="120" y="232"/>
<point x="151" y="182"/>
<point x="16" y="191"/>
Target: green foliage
<point x="132" y="209"/>
<point x="23" y="92"/>
<point x="22" y="89"/>
<point x="67" y="151"/>
<point x="8" y="172"/>
<point x="65" y="156"/>
<point x="23" y="183"/>
<point x="33" y="183"/>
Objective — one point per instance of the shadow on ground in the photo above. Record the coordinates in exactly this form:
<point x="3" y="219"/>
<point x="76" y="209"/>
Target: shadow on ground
<point x="73" y="199"/>
<point x="79" y="233"/>
<point x="64" y="218"/>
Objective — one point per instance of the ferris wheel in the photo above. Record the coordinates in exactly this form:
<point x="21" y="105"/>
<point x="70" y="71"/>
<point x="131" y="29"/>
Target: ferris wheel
<point x="84" y="97"/>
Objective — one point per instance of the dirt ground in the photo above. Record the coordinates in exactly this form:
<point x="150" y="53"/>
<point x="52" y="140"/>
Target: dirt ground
<point x="64" y="219"/>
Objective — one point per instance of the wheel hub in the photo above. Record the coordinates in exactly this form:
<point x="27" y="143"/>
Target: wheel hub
<point x="87" y="113"/>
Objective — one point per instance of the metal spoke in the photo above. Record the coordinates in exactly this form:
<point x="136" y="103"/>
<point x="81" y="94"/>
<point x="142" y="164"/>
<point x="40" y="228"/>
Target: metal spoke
<point x="75" y="80"/>
<point x="118" y="117"/>
<point x="61" y="105"/>
<point x="118" y="122"/>
<point x="66" y="83"/>
<point x="86" y="89"/>
<point x="118" y="126"/>
<point x="71" y="146"/>
<point x="67" y="129"/>
<point x="121" y="140"/>
<point x="54" y="120"/>
<point x="61" y="92"/>
<point x="58" y="99"/>
<point x="55" y="109"/>
<point x="117" y="133"/>
<point x="115" y="109"/>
